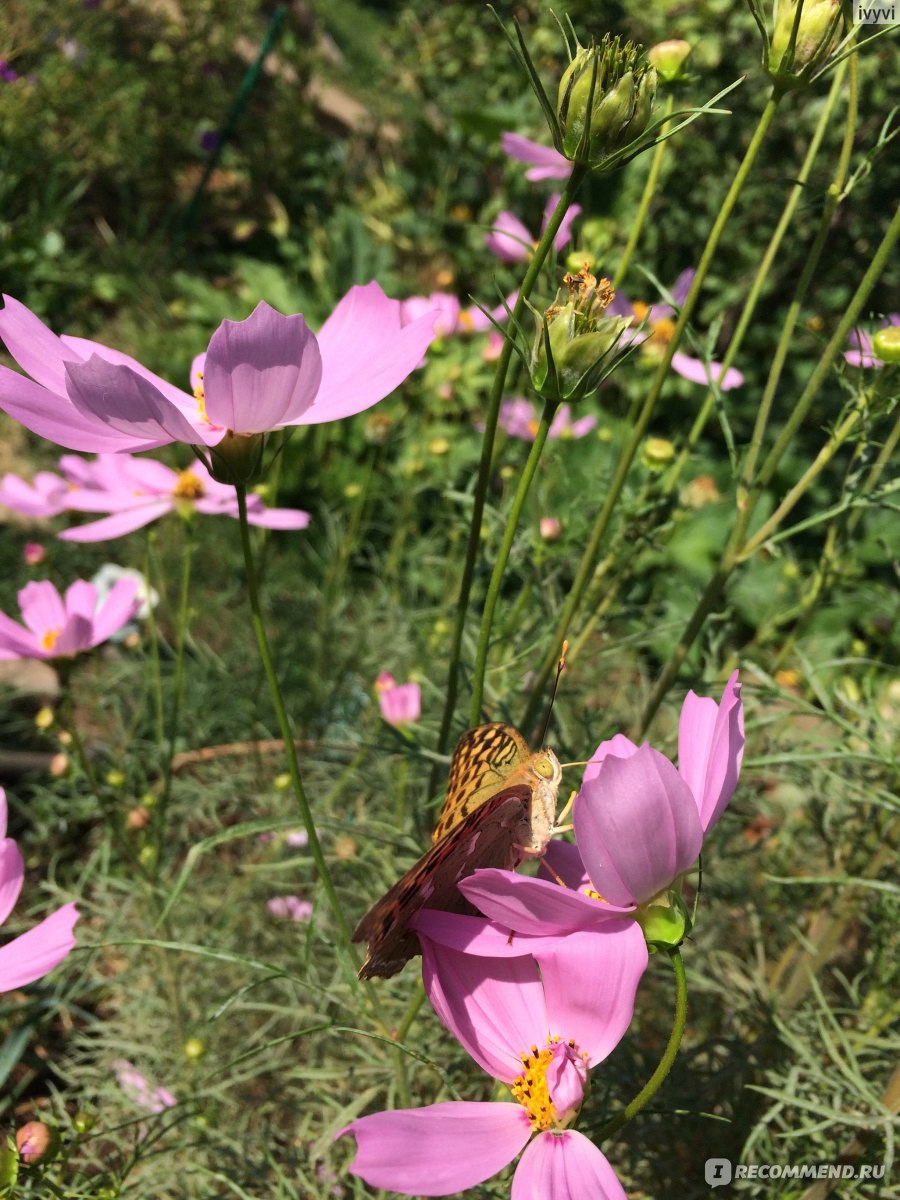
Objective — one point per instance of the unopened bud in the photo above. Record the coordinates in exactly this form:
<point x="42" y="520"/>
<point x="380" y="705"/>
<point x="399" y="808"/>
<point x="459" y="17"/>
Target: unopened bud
<point x="668" y="58"/>
<point x="790" y="60"/>
<point x="886" y="344"/>
<point x="665" y="921"/>
<point x="551" y="529"/>
<point x="44" y="717"/>
<point x="34" y="1141"/>
<point x="237" y="458"/>
<point x="657" y="453"/>
<point x="604" y="102"/>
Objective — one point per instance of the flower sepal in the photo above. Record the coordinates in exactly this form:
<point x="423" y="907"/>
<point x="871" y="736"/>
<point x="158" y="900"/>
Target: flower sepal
<point x="238" y="458"/>
<point x="665" y="921"/>
<point x="886" y="344"/>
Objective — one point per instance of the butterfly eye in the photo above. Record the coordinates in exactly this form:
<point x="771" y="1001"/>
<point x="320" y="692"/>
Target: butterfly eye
<point x="544" y="768"/>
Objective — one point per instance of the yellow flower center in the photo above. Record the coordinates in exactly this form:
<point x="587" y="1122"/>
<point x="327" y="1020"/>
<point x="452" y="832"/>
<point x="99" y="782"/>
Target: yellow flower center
<point x="661" y="330"/>
<point x="533" y="427"/>
<point x="531" y="1090"/>
<point x="465" y="321"/>
<point x="188" y="487"/>
<point x="200" y="397"/>
<point x="50" y="638"/>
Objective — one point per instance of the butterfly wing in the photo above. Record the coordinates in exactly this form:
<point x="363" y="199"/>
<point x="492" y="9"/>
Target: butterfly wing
<point x="484" y="757"/>
<point x="489" y="836"/>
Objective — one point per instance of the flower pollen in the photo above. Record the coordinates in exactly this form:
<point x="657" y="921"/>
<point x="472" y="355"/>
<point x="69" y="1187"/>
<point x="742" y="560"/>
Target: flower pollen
<point x="200" y="397"/>
<point x="188" y="487"/>
<point x="531" y="1089"/>
<point x="50" y="638"/>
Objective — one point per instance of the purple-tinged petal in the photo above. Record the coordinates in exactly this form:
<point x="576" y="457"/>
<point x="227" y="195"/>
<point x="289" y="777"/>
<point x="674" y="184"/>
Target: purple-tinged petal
<point x="12" y="873"/>
<point x="36" y="952"/>
<point x="706" y="373"/>
<point x="590" y="980"/>
<point x="77" y="633"/>
<point x="564" y="233"/>
<point x="278" y="518"/>
<point x="710" y="749"/>
<point x="619" y="746"/>
<point x="120" y="399"/>
<point x="494" y="1007"/>
<point x="474" y="935"/>
<point x="682" y="286"/>
<point x="508" y="239"/>
<point x="4" y="813"/>
<point x="547" y="163"/>
<point x="564" y="1166"/>
<point x="117" y="525"/>
<point x="16" y="642"/>
<point x="186" y="404"/>
<point x="530" y="906"/>
<point x="55" y="418"/>
<point x="36" y="349"/>
<point x="42" y="607"/>
<point x="566" y="864"/>
<point x="261" y="373"/>
<point x="637" y="827"/>
<point x="367" y="352"/>
<point x="437" y="1150"/>
<point x="120" y="606"/>
<point x="44" y="497"/>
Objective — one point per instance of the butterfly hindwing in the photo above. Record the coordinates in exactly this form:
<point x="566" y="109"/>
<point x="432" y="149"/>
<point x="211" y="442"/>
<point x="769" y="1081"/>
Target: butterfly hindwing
<point x="489" y="836"/>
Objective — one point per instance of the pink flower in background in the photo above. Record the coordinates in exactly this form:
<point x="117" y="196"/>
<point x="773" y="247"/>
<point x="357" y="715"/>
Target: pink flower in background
<point x="861" y="352"/>
<point x="137" y="491"/>
<point x="263" y="373"/>
<point x="45" y="496"/>
<point x="33" y="554"/>
<point x="520" y="418"/>
<point x="139" y="1091"/>
<point x="31" y="955"/>
<point x="639" y="825"/>
<point x="400" y="703"/>
<point x="547" y="163"/>
<point x="451" y="316"/>
<point x="512" y="242"/>
<point x="290" y="907"/>
<point x="58" y="627"/>
<point x="661" y="327"/>
<point x="537" y="1024"/>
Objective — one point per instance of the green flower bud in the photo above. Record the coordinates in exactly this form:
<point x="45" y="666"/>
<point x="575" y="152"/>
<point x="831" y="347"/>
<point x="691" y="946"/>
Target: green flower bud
<point x="576" y="344"/>
<point x="791" y="60"/>
<point x="665" y="921"/>
<point x="668" y="58"/>
<point x="886" y="344"/>
<point x="9" y="1164"/>
<point x="657" y="453"/>
<point x="237" y="459"/>
<point x="604" y="102"/>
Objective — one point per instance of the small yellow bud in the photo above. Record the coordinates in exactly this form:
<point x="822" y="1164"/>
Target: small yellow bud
<point x="194" y="1049"/>
<point x="44" y="717"/>
<point x="438" y="446"/>
<point x="115" y="779"/>
<point x="282" y="782"/>
<point x="657" y="453"/>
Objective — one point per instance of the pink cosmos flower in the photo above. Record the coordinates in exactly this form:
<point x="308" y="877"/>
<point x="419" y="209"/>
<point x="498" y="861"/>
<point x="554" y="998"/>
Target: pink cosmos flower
<point x="31" y="955"/>
<point x="135" y="491"/>
<point x="512" y="242"/>
<point x="259" y="374"/>
<point x="451" y="316"/>
<point x="400" y="703"/>
<point x="139" y="1091"/>
<point x="861" y="354"/>
<point x="519" y="418"/>
<point x="537" y="1022"/>
<point x="290" y="907"/>
<point x="59" y="627"/>
<point x="547" y="163"/>
<point x="639" y="825"/>
<point x="662" y="325"/>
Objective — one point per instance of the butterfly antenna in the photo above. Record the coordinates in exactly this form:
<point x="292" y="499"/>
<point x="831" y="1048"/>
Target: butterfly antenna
<point x="560" y="667"/>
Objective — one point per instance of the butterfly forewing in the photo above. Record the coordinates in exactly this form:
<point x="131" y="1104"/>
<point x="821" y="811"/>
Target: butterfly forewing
<point x="488" y="837"/>
<point x="483" y="759"/>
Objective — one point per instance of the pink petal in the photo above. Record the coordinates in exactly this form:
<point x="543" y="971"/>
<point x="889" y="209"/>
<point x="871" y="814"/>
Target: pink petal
<point x="12" y="873"/>
<point x="118" y="525"/>
<point x="620" y="746"/>
<point x="16" y="642"/>
<point x="509" y="240"/>
<point x="185" y="403"/>
<point x="710" y="749"/>
<point x="120" y="399"/>
<point x="548" y="162"/>
<point x="279" y="518"/>
<point x="533" y="906"/>
<point x="637" y="827"/>
<point x="698" y="371"/>
<point x="565" y="860"/>
<point x="4" y="812"/>
<point x="590" y="980"/>
<point x="36" y="952"/>
<point x="37" y="350"/>
<point x="55" y="418"/>
<point x="367" y="352"/>
<point x="682" y="286"/>
<point x="564" y="1166"/>
<point x="121" y="604"/>
<point x="45" y="497"/>
<point x="494" y="1007"/>
<point x="437" y="1150"/>
<point x="564" y="233"/>
<point x="474" y="935"/>
<point x="42" y="607"/>
<point x="261" y="373"/>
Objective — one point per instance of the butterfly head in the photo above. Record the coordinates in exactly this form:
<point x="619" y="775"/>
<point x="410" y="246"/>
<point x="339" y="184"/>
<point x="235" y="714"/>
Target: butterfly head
<point x="545" y="764"/>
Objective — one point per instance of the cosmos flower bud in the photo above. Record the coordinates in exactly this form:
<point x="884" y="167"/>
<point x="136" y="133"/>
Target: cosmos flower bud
<point x="604" y="102"/>
<point x="668" y="58"/>
<point x="793" y="57"/>
<point x="34" y="1141"/>
<point x="237" y="459"/>
<point x="886" y="344"/>
<point x="576" y="344"/>
<point x="657" y="453"/>
<point x="665" y="921"/>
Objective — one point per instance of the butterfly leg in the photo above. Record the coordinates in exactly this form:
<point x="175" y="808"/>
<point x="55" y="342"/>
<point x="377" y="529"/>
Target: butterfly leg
<point x="567" y="808"/>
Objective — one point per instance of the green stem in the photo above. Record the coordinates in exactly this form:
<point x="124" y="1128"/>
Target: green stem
<point x="287" y="734"/>
<point x="487" y="453"/>
<point x="509" y="533"/>
<point x="653" y="1084"/>
<point x="154" y="647"/>
<point x="586" y="567"/>
<point x="647" y="195"/>
<point x="177" y="682"/>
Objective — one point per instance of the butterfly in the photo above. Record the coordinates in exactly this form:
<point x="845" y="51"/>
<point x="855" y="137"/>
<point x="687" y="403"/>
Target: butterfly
<point x="500" y="809"/>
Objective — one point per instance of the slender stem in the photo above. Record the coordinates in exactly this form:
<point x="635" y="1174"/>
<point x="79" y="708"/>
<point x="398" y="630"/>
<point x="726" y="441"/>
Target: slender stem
<point x="287" y="733"/>
<point x="647" y="195"/>
<point x="154" y="647"/>
<point x="177" y="681"/>
<point x="601" y="524"/>
<point x="653" y="1084"/>
<point x="487" y="453"/>
<point x="509" y="533"/>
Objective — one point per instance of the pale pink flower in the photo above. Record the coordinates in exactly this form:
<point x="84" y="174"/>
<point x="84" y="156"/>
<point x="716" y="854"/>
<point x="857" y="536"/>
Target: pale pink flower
<point x="139" y="1091"/>
<point x="547" y="163"/>
<point x="31" y="955"/>
<point x="512" y="242"/>
<point x="60" y="626"/>
<point x="639" y="825"/>
<point x="452" y="318"/>
<point x="400" y="703"/>
<point x="519" y="418"/>
<point x="551" y="529"/>
<point x="290" y="907"/>
<point x="661" y="325"/>
<point x="45" y="496"/>
<point x="33" y="554"/>
<point x="263" y="373"/>
<point x="136" y="491"/>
